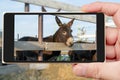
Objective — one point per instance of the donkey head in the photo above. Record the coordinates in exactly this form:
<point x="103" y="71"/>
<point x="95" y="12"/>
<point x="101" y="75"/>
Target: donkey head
<point x="64" y="33"/>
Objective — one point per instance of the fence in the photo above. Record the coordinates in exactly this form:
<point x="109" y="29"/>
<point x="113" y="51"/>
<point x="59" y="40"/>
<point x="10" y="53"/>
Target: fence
<point x="47" y="46"/>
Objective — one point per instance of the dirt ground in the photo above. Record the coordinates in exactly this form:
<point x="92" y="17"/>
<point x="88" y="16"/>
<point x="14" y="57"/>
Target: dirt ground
<point x="55" y="71"/>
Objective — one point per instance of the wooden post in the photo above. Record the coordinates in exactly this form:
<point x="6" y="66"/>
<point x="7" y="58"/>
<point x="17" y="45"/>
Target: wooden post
<point x="40" y="34"/>
<point x="40" y="28"/>
<point x="26" y="7"/>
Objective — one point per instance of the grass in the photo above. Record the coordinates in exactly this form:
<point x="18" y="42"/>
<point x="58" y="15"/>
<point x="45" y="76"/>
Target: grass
<point x="55" y="71"/>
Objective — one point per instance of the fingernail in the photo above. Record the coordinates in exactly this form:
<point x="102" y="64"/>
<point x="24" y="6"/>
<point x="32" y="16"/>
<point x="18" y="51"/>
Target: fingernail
<point x="73" y="64"/>
<point x="80" y="70"/>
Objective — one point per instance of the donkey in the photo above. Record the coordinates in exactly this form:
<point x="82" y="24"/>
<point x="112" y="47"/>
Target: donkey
<point x="63" y="34"/>
<point x="82" y="55"/>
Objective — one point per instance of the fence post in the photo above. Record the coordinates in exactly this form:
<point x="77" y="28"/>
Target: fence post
<point x="40" y="28"/>
<point x="26" y="7"/>
<point x="40" y="34"/>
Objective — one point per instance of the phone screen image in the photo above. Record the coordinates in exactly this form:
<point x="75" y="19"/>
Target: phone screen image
<point x="53" y="37"/>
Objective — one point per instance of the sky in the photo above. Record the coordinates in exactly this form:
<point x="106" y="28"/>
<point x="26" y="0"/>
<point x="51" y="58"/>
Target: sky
<point x="27" y="25"/>
<point x="13" y="6"/>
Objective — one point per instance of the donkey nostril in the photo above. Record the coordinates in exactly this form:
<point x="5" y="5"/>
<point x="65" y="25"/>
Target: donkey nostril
<point x="71" y="44"/>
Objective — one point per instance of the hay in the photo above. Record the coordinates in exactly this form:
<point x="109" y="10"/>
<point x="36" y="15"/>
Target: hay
<point x="55" y="71"/>
<point x="60" y="71"/>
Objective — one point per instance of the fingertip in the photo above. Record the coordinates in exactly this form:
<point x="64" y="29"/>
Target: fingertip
<point x="110" y="52"/>
<point x="73" y="64"/>
<point x="86" y="70"/>
<point x="111" y="35"/>
<point x="79" y="70"/>
<point x="86" y="7"/>
<point x="92" y="7"/>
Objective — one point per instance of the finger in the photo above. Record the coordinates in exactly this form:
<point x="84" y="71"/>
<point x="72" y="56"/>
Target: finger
<point x="110" y="9"/>
<point x="105" y="7"/>
<point x="117" y="50"/>
<point x="111" y="35"/>
<point x="117" y="46"/>
<point x="110" y="60"/>
<point x="110" y="52"/>
<point x="105" y="71"/>
<point x="113" y="43"/>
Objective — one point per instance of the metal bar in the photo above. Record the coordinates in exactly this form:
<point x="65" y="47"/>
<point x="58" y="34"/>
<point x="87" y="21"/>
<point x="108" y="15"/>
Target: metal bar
<point x="40" y="28"/>
<point x="26" y="7"/>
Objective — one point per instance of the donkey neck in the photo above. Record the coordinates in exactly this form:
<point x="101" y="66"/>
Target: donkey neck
<point x="56" y="37"/>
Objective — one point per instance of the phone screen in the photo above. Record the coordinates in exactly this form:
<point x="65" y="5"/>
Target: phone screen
<point x="54" y="37"/>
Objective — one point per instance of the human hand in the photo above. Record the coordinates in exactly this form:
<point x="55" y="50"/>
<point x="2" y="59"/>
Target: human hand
<point x="107" y="70"/>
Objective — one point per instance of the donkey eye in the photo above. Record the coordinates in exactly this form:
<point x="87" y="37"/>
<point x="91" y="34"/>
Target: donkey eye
<point x="64" y="32"/>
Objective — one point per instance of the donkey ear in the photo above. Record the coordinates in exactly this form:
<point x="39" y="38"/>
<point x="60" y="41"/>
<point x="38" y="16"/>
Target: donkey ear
<point x="71" y="22"/>
<point x="43" y="9"/>
<point x="58" y="21"/>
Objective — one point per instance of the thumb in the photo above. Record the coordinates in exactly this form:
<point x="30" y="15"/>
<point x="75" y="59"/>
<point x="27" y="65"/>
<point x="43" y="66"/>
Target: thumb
<point x="109" y="8"/>
<point x="109" y="71"/>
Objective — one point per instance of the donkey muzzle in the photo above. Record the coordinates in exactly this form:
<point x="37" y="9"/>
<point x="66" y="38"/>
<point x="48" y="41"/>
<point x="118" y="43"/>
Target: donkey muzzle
<point x="69" y="41"/>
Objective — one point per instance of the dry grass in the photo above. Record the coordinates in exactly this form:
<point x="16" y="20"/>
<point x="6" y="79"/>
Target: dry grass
<point x="60" y="71"/>
<point x="55" y="71"/>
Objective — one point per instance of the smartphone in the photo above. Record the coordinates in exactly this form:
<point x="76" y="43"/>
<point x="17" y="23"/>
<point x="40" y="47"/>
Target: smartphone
<point x="53" y="37"/>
